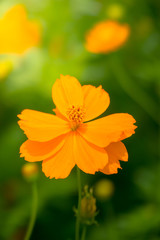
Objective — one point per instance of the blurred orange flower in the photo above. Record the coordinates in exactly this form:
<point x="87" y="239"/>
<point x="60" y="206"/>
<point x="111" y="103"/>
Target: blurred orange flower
<point x="68" y="138"/>
<point x="106" y="36"/>
<point x="17" y="33"/>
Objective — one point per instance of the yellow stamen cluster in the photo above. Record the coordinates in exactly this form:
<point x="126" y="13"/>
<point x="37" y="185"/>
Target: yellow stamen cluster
<point x="76" y="116"/>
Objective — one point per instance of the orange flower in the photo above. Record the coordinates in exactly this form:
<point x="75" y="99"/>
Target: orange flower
<point x="69" y="138"/>
<point x="106" y="37"/>
<point x="17" y="33"/>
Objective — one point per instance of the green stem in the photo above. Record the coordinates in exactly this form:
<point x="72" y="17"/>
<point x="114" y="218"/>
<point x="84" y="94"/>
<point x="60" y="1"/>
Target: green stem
<point x="34" y="211"/>
<point x="133" y="90"/>
<point x="79" y="204"/>
<point x="84" y="232"/>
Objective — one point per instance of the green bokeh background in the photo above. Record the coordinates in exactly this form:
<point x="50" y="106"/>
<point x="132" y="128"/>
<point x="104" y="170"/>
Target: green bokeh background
<point x="131" y="76"/>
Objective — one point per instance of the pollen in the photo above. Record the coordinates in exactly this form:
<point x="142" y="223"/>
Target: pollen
<point x="76" y="116"/>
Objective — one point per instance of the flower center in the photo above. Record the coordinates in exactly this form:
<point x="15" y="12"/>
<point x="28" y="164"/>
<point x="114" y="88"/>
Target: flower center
<point x="76" y="116"/>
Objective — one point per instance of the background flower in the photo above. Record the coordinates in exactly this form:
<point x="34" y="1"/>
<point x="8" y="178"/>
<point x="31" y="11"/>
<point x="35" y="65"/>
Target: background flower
<point x="17" y="32"/>
<point x="106" y="36"/>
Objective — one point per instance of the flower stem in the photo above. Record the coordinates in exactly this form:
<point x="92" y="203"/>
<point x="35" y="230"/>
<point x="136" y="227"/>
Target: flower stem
<point x="84" y="232"/>
<point x="79" y="204"/>
<point x="132" y="89"/>
<point x="34" y="211"/>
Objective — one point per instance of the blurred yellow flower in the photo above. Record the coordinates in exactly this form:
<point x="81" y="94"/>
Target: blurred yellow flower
<point x="104" y="189"/>
<point x="115" y="11"/>
<point x="106" y="36"/>
<point x="17" y="34"/>
<point x="5" y="68"/>
<point x="30" y="171"/>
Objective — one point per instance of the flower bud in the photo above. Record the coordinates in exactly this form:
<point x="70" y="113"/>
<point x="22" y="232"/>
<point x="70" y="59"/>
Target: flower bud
<point x="104" y="189"/>
<point x="88" y="207"/>
<point x="30" y="171"/>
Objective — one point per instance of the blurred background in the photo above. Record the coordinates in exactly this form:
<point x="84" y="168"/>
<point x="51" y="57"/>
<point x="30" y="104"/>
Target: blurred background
<point x="129" y="207"/>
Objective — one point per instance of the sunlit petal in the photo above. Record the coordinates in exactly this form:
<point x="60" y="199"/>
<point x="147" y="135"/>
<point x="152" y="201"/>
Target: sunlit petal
<point x="61" y="163"/>
<point x="37" y="151"/>
<point x="40" y="126"/>
<point x="96" y="101"/>
<point x="112" y="128"/>
<point x="67" y="92"/>
<point x="88" y="157"/>
<point x="116" y="151"/>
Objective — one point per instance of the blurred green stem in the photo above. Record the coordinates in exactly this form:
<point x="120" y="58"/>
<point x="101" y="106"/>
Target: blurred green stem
<point x="79" y="204"/>
<point x="132" y="89"/>
<point x="84" y="232"/>
<point x="34" y="211"/>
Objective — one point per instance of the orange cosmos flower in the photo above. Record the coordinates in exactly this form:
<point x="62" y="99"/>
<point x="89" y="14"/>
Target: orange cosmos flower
<point x="17" y="33"/>
<point x="69" y="138"/>
<point x="106" y="36"/>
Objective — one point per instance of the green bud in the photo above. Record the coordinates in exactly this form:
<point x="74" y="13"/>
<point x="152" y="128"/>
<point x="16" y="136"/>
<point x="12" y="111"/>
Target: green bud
<point x="88" y="207"/>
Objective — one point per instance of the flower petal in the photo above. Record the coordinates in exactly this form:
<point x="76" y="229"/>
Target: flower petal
<point x="116" y="151"/>
<point x="88" y="157"/>
<point x="17" y="33"/>
<point x="67" y="92"/>
<point x="42" y="127"/>
<point x="111" y="168"/>
<point x="96" y="101"/>
<point x="112" y="128"/>
<point x="37" y="151"/>
<point x="58" y="114"/>
<point x="61" y="163"/>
